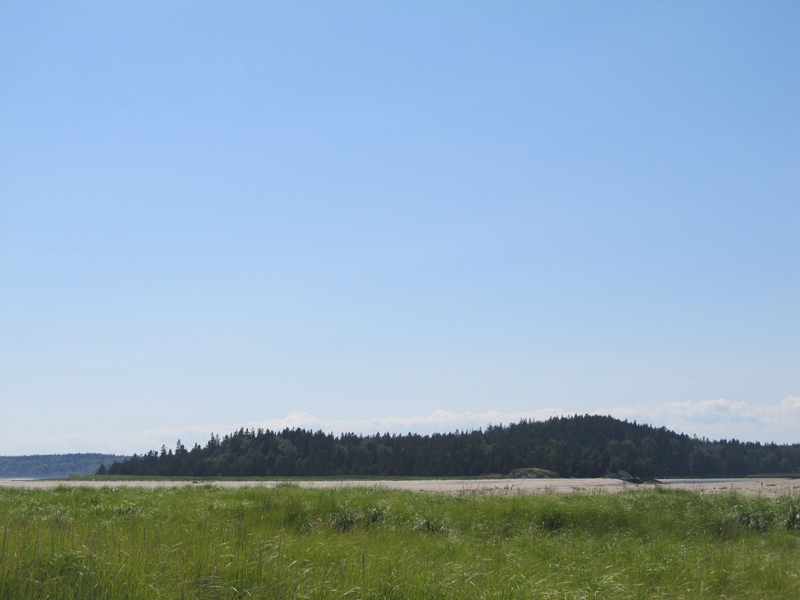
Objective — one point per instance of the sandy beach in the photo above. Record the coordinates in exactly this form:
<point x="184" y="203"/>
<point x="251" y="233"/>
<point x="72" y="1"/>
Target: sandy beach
<point x="767" y="486"/>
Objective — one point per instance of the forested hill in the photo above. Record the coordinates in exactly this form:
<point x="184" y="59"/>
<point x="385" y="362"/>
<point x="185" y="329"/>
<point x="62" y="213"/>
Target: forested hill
<point x="42" y="466"/>
<point x="580" y="446"/>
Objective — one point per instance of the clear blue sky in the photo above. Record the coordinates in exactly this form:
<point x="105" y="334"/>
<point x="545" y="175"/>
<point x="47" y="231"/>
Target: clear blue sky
<point x="223" y="213"/>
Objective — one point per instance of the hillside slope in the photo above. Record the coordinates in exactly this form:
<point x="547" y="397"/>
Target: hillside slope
<point x="579" y="446"/>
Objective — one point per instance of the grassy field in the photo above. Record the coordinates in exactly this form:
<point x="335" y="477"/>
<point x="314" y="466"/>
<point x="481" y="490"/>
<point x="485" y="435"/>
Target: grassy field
<point x="286" y="542"/>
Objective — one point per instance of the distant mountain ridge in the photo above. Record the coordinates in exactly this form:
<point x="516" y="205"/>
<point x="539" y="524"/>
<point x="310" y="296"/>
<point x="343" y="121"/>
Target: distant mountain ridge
<point x="578" y="446"/>
<point x="48" y="466"/>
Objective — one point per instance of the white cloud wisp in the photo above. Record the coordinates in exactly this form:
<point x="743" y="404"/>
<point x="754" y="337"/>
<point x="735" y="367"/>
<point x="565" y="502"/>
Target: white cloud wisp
<point x="714" y="419"/>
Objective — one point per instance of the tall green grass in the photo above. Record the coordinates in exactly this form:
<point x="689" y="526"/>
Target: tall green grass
<point x="287" y="542"/>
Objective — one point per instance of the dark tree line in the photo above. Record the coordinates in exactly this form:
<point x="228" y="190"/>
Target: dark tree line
<point x="580" y="446"/>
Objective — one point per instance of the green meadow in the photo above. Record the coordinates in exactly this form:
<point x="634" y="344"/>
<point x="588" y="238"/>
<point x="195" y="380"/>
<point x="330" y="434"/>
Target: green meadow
<point x="287" y="542"/>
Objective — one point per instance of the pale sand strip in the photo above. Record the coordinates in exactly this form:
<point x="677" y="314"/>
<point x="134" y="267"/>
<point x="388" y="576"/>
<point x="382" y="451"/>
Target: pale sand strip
<point x="767" y="487"/>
